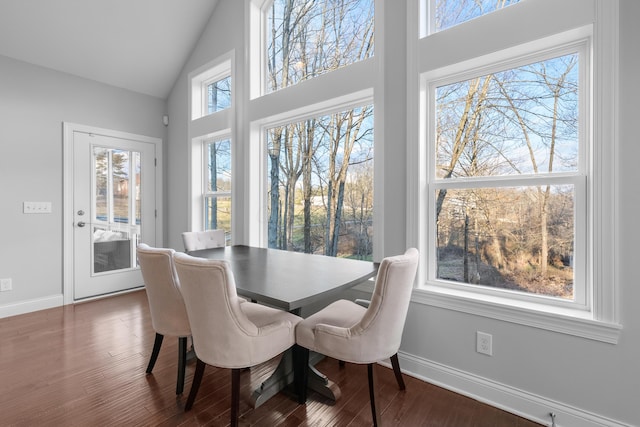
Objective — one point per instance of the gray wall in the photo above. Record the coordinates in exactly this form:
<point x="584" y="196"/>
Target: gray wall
<point x="533" y="371"/>
<point x="224" y="33"/>
<point x="34" y="102"/>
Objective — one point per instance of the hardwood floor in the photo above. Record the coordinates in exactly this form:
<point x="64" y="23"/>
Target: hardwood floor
<point x="85" y="365"/>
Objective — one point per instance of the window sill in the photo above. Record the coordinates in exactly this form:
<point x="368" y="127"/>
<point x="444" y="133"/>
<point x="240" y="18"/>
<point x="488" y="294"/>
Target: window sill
<point x="562" y="320"/>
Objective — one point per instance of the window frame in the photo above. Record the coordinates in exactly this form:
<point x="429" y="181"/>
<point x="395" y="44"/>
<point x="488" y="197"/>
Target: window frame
<point x="347" y="86"/>
<point x="211" y="126"/>
<point x="260" y="88"/>
<point x="335" y="106"/>
<point x="578" y="41"/>
<point x="601" y="321"/>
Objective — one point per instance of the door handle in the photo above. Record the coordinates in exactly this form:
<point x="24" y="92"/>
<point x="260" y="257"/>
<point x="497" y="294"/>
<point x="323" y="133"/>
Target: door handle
<point x="81" y="224"/>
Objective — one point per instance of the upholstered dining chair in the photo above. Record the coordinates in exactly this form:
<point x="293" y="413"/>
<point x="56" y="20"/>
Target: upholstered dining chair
<point x="207" y="239"/>
<point x="228" y="333"/>
<point x="168" y="313"/>
<point x="349" y="332"/>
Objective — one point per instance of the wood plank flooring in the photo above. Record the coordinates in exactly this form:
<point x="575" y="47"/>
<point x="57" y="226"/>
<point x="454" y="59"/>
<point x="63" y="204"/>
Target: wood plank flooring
<point x="84" y="365"/>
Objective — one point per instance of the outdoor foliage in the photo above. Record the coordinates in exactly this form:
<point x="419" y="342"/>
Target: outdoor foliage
<point x="448" y="13"/>
<point x="321" y="168"/>
<point x="519" y="123"/>
<point x="218" y="186"/>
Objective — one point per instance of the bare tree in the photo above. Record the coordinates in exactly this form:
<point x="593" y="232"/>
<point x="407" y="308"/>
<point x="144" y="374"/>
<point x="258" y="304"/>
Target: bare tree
<point x="309" y="38"/>
<point x="520" y="121"/>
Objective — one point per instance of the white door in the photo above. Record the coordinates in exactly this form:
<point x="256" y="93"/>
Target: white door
<point x="114" y="209"/>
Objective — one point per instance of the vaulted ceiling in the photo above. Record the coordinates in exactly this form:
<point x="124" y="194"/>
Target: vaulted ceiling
<point x="139" y="45"/>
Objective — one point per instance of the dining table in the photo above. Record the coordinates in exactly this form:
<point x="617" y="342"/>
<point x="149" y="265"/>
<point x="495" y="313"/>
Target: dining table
<point x="290" y="281"/>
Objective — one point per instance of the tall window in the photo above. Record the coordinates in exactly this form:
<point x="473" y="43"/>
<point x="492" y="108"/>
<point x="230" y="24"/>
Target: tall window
<point x="508" y="178"/>
<point x="514" y="168"/>
<point x="319" y="156"/>
<point x="217" y="194"/>
<point x="308" y="38"/>
<point x="321" y="184"/>
<point x="210" y="131"/>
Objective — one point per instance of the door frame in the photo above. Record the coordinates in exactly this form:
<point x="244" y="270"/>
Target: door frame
<point x="68" y="278"/>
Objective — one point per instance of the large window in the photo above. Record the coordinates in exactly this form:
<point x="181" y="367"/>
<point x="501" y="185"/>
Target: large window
<point x="309" y="38"/>
<point x="321" y="184"/>
<point x="514" y="168"/>
<point x="507" y="189"/>
<point x="316" y="139"/>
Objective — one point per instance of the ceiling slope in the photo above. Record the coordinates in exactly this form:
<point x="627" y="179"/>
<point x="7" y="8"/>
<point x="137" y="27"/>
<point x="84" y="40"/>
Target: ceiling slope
<point x="139" y="45"/>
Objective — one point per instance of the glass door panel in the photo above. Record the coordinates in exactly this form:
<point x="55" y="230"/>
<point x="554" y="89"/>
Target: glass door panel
<point x="116" y="208"/>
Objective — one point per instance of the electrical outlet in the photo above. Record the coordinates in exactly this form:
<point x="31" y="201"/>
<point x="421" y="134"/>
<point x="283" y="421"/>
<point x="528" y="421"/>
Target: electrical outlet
<point x="484" y="343"/>
<point x="5" y="285"/>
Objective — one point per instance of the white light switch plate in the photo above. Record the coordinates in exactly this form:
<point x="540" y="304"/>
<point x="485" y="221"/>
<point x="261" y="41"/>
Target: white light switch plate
<point x="36" y="207"/>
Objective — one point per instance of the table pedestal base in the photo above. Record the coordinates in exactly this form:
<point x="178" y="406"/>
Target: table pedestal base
<point x="282" y="376"/>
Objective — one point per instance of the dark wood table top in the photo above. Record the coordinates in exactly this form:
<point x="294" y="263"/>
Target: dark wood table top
<point x="289" y="280"/>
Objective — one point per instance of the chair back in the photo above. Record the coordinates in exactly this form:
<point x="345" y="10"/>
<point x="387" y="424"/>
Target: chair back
<point x="168" y="312"/>
<point x="196" y="240"/>
<point x="223" y="336"/>
<point x="382" y="324"/>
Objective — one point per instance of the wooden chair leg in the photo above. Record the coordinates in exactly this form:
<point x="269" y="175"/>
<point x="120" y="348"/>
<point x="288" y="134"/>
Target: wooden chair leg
<point x="195" y="385"/>
<point x="301" y="372"/>
<point x="235" y="396"/>
<point x="372" y="394"/>
<point x="154" y="353"/>
<point x="182" y="363"/>
<point x="396" y="370"/>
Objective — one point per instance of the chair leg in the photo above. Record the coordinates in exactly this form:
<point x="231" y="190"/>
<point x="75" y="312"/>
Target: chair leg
<point x="182" y="363"/>
<point x="396" y="370"/>
<point x="195" y="384"/>
<point x="372" y="394"/>
<point x="154" y="353"/>
<point x="235" y="396"/>
<point x="301" y="372"/>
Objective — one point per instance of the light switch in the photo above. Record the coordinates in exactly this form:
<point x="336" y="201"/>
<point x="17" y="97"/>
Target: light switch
<point x="36" y="207"/>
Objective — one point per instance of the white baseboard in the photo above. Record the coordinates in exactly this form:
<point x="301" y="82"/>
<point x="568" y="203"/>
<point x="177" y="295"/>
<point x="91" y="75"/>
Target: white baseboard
<point x="28" y="306"/>
<point x="519" y="402"/>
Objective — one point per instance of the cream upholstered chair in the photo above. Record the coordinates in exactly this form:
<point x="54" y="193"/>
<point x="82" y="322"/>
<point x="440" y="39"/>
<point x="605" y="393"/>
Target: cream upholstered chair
<point x="227" y="332"/>
<point x="168" y="313"/>
<point x="196" y="240"/>
<point x="350" y="332"/>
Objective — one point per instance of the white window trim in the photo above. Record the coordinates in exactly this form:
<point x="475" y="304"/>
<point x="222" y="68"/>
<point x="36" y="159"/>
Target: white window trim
<point x="352" y="85"/>
<point x="578" y="41"/>
<point x="259" y="142"/>
<point x="217" y="125"/>
<point x="197" y="173"/>
<point x="602" y="322"/>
